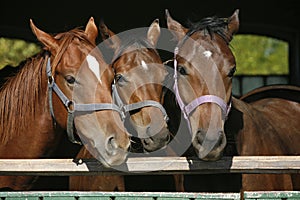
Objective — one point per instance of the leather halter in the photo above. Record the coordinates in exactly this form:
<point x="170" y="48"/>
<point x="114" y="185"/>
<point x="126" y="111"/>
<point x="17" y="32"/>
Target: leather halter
<point x="187" y="109"/>
<point x="72" y="106"/>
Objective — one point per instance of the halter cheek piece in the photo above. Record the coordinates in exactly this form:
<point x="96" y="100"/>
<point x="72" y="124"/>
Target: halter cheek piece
<point x="72" y="106"/>
<point x="187" y="109"/>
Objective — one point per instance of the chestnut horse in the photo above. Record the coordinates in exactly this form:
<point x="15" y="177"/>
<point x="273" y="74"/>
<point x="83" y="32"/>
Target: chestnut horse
<point x="65" y="87"/>
<point x="138" y="88"/>
<point x="204" y="67"/>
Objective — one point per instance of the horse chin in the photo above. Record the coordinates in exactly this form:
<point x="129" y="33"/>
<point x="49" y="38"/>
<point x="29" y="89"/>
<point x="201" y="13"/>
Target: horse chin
<point x="156" y="142"/>
<point x="108" y="162"/>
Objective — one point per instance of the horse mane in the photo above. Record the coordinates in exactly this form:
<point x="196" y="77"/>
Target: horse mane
<point x="211" y="25"/>
<point x="21" y="94"/>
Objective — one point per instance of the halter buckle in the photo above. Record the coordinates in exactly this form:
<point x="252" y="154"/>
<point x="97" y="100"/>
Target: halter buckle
<point x="70" y="106"/>
<point x="50" y="81"/>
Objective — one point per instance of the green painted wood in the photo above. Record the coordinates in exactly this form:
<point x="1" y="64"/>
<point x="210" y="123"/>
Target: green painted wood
<point x="22" y="198"/>
<point x="94" y="198"/>
<point x="59" y="198"/>
<point x="265" y="195"/>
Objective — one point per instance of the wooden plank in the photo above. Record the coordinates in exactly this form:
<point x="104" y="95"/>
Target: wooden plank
<point x="155" y="165"/>
<point x="54" y="195"/>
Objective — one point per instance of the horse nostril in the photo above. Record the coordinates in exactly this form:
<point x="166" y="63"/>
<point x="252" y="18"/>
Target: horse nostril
<point x="111" y="145"/>
<point x="211" y="136"/>
<point x="148" y="141"/>
<point x="201" y="136"/>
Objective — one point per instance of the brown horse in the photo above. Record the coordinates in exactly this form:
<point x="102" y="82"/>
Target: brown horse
<point x="203" y="61"/>
<point x="139" y="76"/>
<point x="65" y="87"/>
<point x="204" y="66"/>
<point x="266" y="129"/>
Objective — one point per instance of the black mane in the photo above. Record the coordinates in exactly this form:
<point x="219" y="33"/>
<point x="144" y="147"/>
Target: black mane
<point x="211" y="25"/>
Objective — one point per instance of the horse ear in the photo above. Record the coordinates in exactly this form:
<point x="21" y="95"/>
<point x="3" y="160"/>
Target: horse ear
<point x="177" y="29"/>
<point x="234" y="22"/>
<point x="109" y="37"/>
<point x="154" y="32"/>
<point x="46" y="39"/>
<point x="91" y="30"/>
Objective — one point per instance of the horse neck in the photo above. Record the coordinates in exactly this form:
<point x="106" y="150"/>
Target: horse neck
<point x="236" y="123"/>
<point x="24" y="107"/>
<point x="241" y="105"/>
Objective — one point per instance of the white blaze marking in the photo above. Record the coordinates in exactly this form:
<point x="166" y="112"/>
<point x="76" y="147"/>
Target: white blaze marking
<point x="144" y="65"/>
<point x="94" y="66"/>
<point x="207" y="54"/>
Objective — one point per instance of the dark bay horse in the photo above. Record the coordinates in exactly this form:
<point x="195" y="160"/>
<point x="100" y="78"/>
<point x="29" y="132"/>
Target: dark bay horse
<point x="66" y="87"/>
<point x="203" y="61"/>
<point x="139" y="76"/>
<point x="204" y="67"/>
<point x="269" y="126"/>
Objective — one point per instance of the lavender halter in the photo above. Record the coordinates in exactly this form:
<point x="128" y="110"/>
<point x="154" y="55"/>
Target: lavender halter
<point x="187" y="109"/>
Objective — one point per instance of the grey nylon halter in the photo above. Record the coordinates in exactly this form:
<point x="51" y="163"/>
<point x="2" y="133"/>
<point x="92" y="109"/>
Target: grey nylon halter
<point x="72" y="106"/>
<point x="129" y="107"/>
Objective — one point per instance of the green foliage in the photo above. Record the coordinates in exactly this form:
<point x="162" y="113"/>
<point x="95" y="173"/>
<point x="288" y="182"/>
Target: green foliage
<point x="259" y="55"/>
<point x="255" y="55"/>
<point x="13" y="51"/>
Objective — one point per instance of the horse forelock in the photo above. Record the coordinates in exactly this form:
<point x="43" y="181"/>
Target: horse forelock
<point x="134" y="43"/>
<point x="210" y="26"/>
<point x="66" y="39"/>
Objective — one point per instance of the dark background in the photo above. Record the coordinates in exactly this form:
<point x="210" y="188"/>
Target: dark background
<point x="276" y="18"/>
<point x="273" y="17"/>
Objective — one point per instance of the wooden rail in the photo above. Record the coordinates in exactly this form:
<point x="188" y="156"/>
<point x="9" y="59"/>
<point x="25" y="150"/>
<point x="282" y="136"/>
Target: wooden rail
<point x="152" y="165"/>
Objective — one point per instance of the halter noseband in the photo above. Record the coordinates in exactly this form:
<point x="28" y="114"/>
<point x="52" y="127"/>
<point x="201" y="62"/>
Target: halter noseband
<point x="72" y="106"/>
<point x="133" y="106"/>
<point x="187" y="109"/>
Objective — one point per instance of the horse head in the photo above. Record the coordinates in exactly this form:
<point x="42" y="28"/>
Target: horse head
<point x="139" y="76"/>
<point x="203" y="70"/>
<point x="80" y="100"/>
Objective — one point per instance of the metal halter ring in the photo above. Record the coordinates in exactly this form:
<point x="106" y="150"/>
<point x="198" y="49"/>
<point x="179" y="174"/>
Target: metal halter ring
<point x="70" y="106"/>
<point x="50" y="81"/>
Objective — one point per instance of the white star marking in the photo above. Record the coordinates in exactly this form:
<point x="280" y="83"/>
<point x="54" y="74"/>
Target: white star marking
<point x="144" y="65"/>
<point x="207" y="54"/>
<point x="94" y="66"/>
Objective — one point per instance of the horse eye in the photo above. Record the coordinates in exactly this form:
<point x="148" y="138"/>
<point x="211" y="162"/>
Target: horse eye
<point x="231" y="72"/>
<point x="70" y="79"/>
<point x="182" y="70"/>
<point x="119" y="78"/>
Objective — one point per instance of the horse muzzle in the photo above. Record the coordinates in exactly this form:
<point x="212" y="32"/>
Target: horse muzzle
<point x="209" y="144"/>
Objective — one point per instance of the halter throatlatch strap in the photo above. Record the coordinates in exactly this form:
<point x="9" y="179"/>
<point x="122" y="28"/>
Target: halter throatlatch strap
<point x="138" y="105"/>
<point x="71" y="106"/>
<point x="187" y="109"/>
